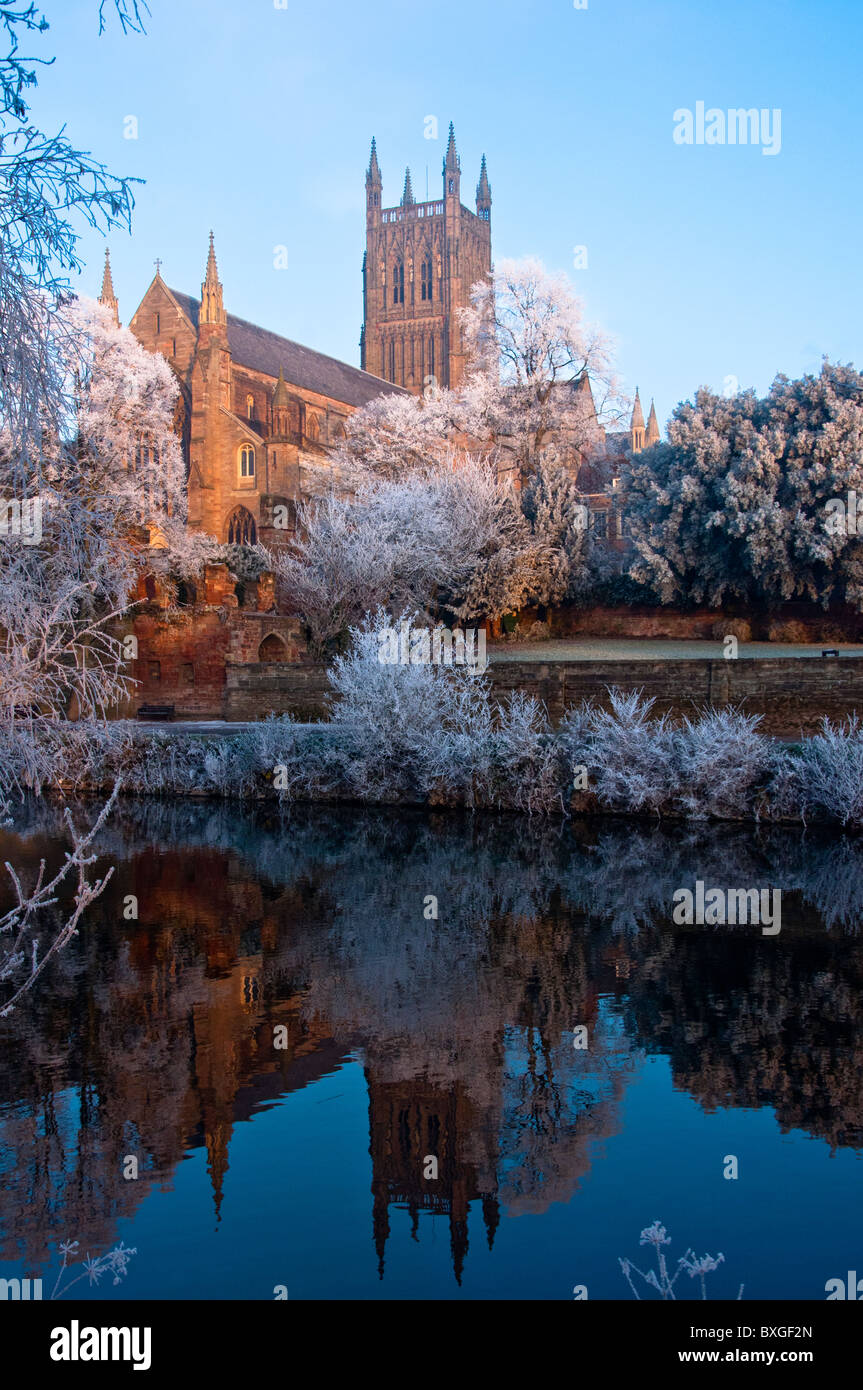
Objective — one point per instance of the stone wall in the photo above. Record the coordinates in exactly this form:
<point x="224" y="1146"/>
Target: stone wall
<point x="256" y="690"/>
<point x="185" y="653"/>
<point x="792" y="693"/>
<point x="792" y="623"/>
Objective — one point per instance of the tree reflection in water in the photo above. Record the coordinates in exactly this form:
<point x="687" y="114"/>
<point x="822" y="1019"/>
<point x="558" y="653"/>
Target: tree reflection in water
<point x="156" y="1036"/>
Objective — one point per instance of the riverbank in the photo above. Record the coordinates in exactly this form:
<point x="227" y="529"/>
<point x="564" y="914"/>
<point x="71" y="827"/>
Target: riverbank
<point x="618" y="761"/>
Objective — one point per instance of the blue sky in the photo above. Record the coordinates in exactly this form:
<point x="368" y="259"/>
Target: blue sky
<point x="705" y="262"/>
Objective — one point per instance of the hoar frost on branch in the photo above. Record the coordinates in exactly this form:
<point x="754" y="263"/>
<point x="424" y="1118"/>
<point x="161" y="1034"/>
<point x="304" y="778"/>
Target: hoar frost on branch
<point x="446" y="539"/>
<point x="58" y="594"/>
<point x="109" y="487"/>
<point x="530" y="357"/>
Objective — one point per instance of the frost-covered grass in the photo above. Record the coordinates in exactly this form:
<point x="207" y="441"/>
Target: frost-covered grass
<point x="435" y="735"/>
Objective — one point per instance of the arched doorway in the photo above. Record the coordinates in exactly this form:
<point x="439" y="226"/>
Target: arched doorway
<point x="272" y="649"/>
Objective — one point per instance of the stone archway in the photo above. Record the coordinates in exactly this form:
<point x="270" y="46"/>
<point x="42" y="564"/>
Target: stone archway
<point x="272" y="649"/>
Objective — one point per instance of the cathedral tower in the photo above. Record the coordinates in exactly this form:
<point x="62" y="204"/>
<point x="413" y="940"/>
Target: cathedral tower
<point x="420" y="263"/>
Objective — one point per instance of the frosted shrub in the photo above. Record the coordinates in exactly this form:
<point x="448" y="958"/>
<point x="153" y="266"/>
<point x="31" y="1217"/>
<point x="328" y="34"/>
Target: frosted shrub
<point x="829" y="773"/>
<point x="722" y="758"/>
<point x="393" y="716"/>
<point x="536" y="771"/>
<point x="630" y="757"/>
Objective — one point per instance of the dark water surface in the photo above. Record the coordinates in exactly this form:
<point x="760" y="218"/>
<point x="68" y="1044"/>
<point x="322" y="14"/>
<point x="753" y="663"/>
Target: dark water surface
<point x="409" y="1039"/>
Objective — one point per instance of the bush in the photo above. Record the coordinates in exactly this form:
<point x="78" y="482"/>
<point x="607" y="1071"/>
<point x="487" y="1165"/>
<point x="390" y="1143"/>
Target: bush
<point x="828" y="771"/>
<point x="434" y="735"/>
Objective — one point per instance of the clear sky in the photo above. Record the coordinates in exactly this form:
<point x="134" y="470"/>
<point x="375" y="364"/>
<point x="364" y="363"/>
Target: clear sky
<point x="704" y="261"/>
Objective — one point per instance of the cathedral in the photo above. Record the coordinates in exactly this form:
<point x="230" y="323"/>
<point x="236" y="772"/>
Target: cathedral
<point x="260" y="413"/>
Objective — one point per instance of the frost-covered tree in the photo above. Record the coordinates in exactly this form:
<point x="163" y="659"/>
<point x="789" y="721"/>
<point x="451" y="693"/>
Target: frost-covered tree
<point x="57" y="588"/>
<point x="541" y="376"/>
<point x="558" y="517"/>
<point x="48" y="190"/>
<point x="448" y="539"/>
<point x="540" y="379"/>
<point x="735" y="504"/>
<point x="111" y="499"/>
<point x="397" y="433"/>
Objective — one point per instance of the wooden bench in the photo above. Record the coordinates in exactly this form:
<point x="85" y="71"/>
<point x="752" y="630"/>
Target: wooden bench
<point x="156" y="712"/>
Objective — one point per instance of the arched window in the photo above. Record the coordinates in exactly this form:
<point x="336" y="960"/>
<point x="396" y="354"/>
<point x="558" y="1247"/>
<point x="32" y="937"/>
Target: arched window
<point x="241" y="529"/>
<point x="247" y="461"/>
<point x="313" y="429"/>
<point x="426" y="277"/>
<point x="250" y="407"/>
<point x="272" y="649"/>
<point x="392" y="359"/>
<point x="399" y="282"/>
<point x="186" y="593"/>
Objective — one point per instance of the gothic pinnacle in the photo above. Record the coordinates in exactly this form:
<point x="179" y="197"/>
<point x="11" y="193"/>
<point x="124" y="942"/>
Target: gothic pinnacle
<point x="452" y="161"/>
<point x="373" y="172"/>
<point x="108" y="297"/>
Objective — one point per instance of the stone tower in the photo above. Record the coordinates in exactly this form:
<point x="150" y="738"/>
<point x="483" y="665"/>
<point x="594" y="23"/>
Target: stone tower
<point x="420" y="263"/>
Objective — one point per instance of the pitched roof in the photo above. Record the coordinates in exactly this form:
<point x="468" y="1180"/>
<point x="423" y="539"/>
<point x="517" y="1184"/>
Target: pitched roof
<point x="269" y="353"/>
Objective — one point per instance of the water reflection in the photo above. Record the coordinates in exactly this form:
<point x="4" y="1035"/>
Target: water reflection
<point x="155" y="1037"/>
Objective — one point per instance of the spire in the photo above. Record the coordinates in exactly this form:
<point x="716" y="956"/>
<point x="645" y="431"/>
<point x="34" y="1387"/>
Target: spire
<point x="281" y="399"/>
<point x="451" y="163"/>
<point x="652" y="436"/>
<point x="636" y="425"/>
<point x="483" y="188"/>
<point x="108" y="297"/>
<point x="373" y="173"/>
<point x="408" y="195"/>
<point x="212" y="306"/>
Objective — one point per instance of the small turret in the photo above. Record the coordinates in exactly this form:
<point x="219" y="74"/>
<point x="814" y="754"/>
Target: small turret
<point x="408" y="195"/>
<point x="108" y="297"/>
<point x="374" y="184"/>
<point x="451" y="167"/>
<point x="636" y="425"/>
<point x="483" y="193"/>
<point x="281" y="405"/>
<point x="652" y="436"/>
<point x="212" y="305"/>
